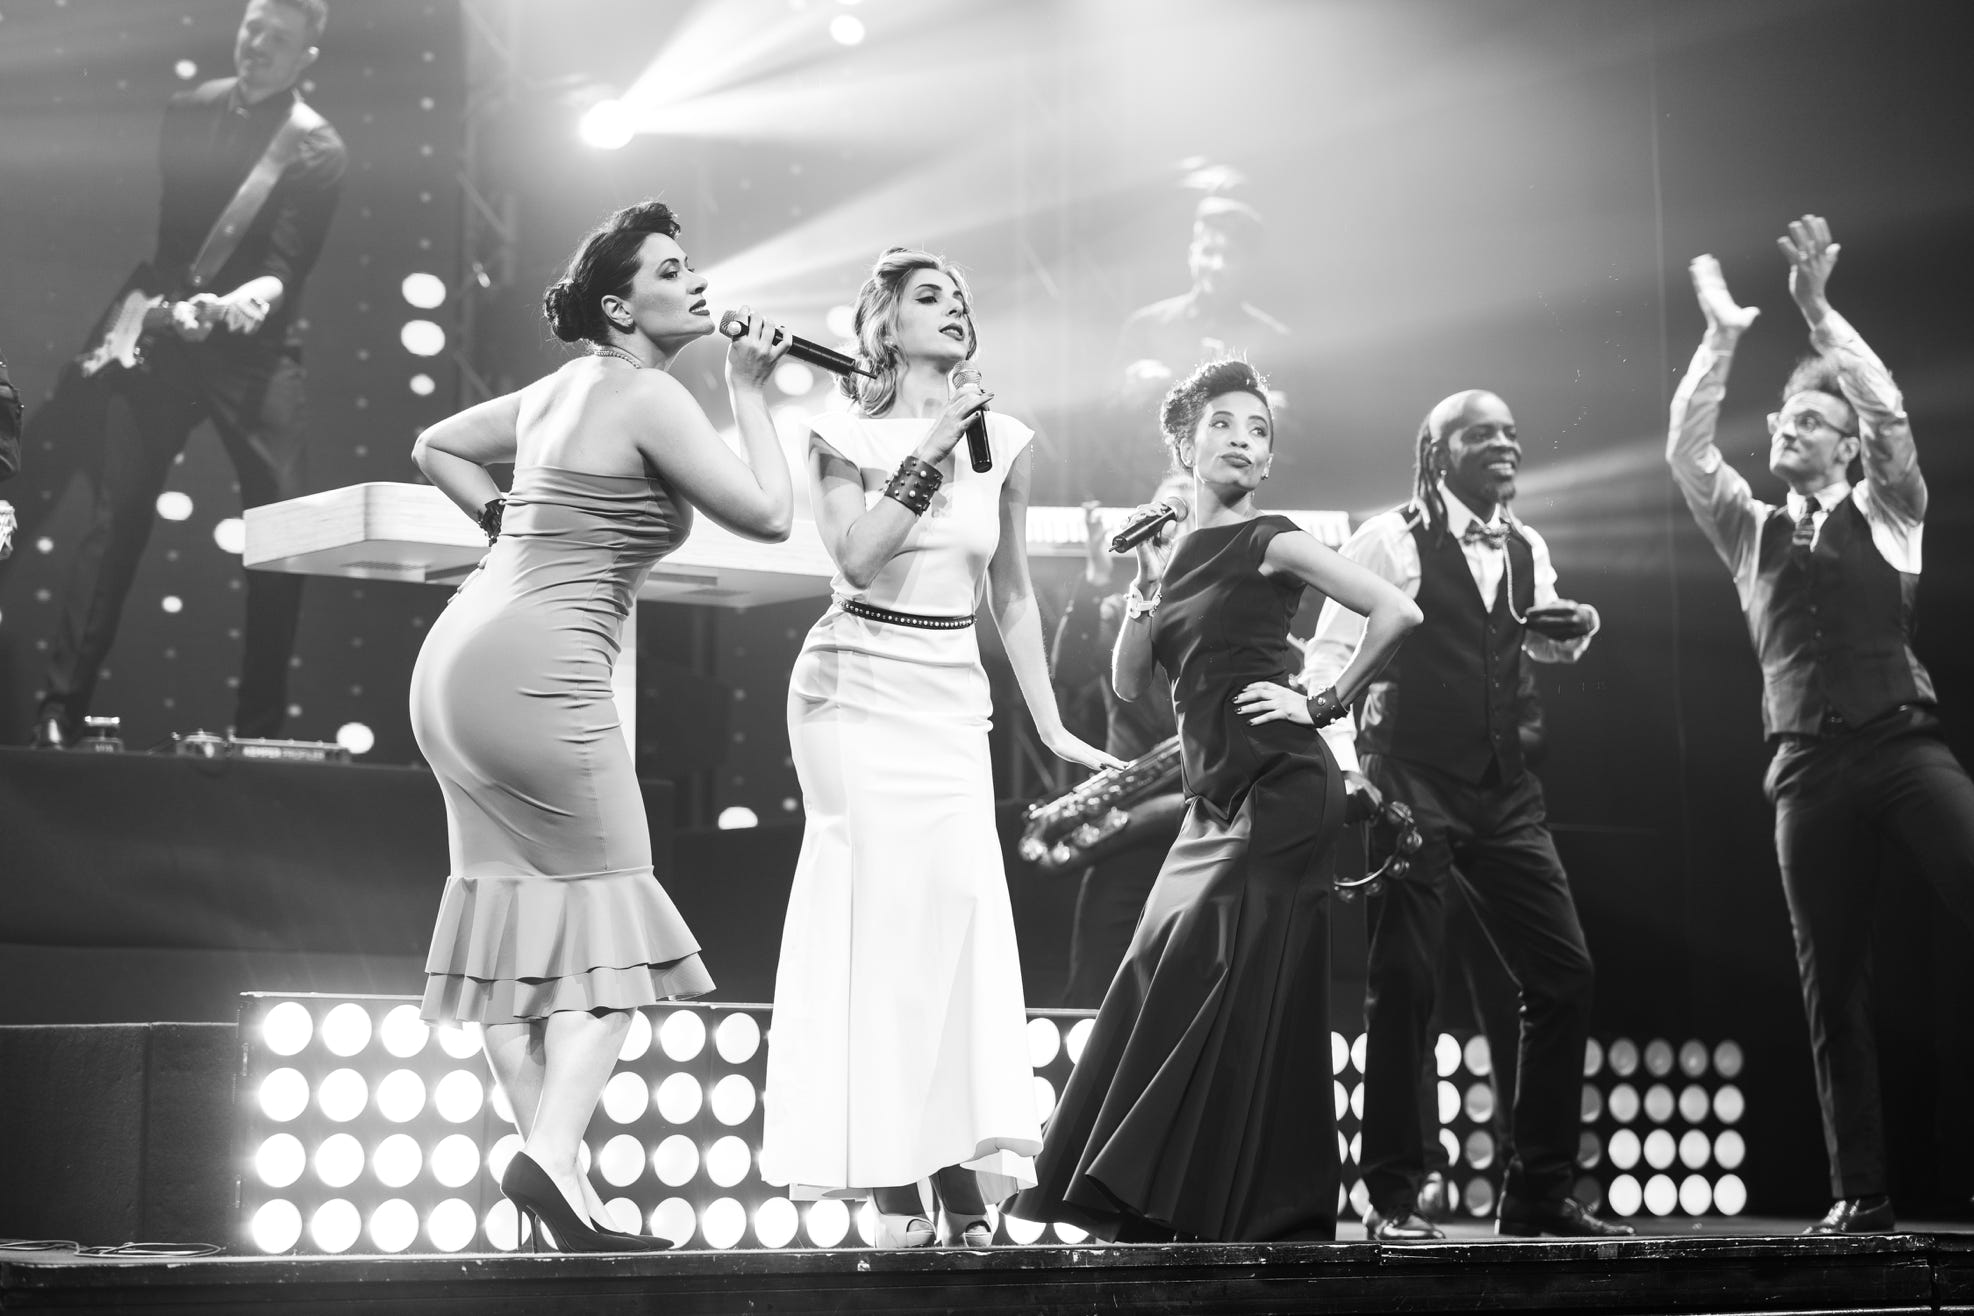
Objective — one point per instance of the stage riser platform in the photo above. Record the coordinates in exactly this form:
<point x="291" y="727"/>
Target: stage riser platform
<point x="1904" y="1273"/>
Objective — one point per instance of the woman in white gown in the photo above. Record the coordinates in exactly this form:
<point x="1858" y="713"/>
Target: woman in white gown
<point x="899" y="1048"/>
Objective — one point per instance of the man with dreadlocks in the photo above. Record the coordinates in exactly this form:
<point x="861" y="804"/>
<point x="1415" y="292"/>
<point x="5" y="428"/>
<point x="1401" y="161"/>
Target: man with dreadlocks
<point x="1828" y="583"/>
<point x="1440" y="731"/>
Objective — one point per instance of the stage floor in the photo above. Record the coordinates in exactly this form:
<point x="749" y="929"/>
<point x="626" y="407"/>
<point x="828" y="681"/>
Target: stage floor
<point x="1759" y="1270"/>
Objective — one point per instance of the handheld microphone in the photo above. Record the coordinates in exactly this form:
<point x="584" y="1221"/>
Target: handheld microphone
<point x="977" y="449"/>
<point x="733" y="324"/>
<point x="1140" y="528"/>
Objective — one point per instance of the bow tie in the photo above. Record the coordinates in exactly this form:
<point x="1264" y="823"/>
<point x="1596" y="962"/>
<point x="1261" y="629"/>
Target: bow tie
<point x="1492" y="536"/>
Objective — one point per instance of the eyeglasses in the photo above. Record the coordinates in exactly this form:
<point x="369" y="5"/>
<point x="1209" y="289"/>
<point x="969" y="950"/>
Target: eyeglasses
<point x="1805" y="422"/>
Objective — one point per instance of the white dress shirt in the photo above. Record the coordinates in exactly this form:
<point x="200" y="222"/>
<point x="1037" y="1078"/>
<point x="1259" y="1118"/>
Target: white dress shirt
<point x="1384" y="543"/>
<point x="1729" y="513"/>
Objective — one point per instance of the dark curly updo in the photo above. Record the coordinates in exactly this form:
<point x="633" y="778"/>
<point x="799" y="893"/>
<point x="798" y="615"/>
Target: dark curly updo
<point x="603" y="266"/>
<point x="1179" y="414"/>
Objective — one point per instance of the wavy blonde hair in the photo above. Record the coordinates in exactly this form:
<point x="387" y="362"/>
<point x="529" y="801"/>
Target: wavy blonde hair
<point x="876" y="322"/>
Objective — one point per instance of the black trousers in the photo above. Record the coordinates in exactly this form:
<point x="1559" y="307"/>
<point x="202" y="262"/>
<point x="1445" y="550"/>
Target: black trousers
<point x="1475" y="990"/>
<point x="129" y="425"/>
<point x="1493" y="842"/>
<point x="1844" y="806"/>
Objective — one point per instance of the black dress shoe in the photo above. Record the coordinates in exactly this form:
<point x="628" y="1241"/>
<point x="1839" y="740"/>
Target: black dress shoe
<point x="1857" y="1215"/>
<point x="1400" y="1227"/>
<point x="50" y="732"/>
<point x="1564" y="1218"/>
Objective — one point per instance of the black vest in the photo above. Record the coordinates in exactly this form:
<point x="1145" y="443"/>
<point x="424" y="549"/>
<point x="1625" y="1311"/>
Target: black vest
<point x="1833" y="627"/>
<point x="1450" y="698"/>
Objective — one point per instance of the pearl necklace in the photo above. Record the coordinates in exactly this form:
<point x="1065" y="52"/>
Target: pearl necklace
<point x="611" y="349"/>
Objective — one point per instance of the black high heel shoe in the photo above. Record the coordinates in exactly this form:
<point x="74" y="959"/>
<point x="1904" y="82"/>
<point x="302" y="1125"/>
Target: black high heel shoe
<point x="539" y="1201"/>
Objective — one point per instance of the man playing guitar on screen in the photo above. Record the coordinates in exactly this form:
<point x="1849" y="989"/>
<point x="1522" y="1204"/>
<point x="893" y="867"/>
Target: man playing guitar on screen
<point x="206" y="330"/>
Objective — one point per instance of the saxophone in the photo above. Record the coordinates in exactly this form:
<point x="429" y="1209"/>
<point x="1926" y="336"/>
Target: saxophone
<point x="1061" y="831"/>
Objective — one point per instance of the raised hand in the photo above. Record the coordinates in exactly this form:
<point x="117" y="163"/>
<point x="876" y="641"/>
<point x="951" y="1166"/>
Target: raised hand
<point x="1716" y="303"/>
<point x="950" y="425"/>
<point x="1811" y="256"/>
<point x="753" y="356"/>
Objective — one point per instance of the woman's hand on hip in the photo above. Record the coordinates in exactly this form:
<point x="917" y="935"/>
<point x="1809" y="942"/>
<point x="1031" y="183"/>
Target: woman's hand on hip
<point x="1264" y="701"/>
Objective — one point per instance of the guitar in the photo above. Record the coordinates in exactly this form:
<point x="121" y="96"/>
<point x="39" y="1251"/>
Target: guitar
<point x="134" y="318"/>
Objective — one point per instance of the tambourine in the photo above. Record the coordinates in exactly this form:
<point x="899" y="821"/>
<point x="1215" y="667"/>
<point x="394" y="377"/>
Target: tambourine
<point x="1390" y="830"/>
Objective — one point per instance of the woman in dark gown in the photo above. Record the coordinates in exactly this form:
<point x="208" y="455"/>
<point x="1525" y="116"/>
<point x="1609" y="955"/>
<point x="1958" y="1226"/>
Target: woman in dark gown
<point x="1197" y="1108"/>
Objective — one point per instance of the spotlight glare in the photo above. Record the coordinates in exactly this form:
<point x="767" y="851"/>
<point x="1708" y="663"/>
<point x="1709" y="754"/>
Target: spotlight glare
<point x="727" y="1163"/>
<point x="397" y="1160"/>
<point x="394" y="1225"/>
<point x="1339" y="1054"/>
<point x="1730" y="1195"/>
<point x="625" y="1097"/>
<point x="1358" y="1052"/>
<point x="738" y="1037"/>
<point x="733" y="1099"/>
<point x="343" y="1095"/>
<point x="172" y="603"/>
<point x="682" y="1035"/>
<point x="422" y="385"/>
<point x="679" y="1098"/>
<point x="1624" y="1149"/>
<point x="283" y="1095"/>
<point x="621" y="1161"/>
<point x="1079" y="1037"/>
<point x="403" y="1033"/>
<point x="1661" y="1195"/>
<point x="1446" y="1055"/>
<point x="287" y="1028"/>
<point x="1729" y="1105"/>
<point x="422" y="338"/>
<point x="829" y="1220"/>
<point x="335" y="1225"/>
<point x="1045" y="1097"/>
<point x="1044" y="1041"/>
<point x="339" y="1160"/>
<point x="841" y="321"/>
<point x="455" y="1162"/>
<point x="607" y="125"/>
<point x="676" y="1161"/>
<point x="637" y="1039"/>
<point x="775" y="1222"/>
<point x="1625" y="1196"/>
<point x="459" y="1096"/>
<point x="231" y="535"/>
<point x="846" y="29"/>
<point x="346" y="1029"/>
<point x="425" y="291"/>
<point x="401" y="1096"/>
<point x="277" y="1226"/>
<point x="280" y="1160"/>
<point x="356" y="737"/>
<point x="460" y="1041"/>
<point x="1730" y="1149"/>
<point x="451" y="1225"/>
<point x="737" y="818"/>
<point x="186" y="71"/>
<point x="1696" y="1195"/>
<point x="673" y="1219"/>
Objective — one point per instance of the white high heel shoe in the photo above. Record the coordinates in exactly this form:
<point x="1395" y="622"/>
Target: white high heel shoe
<point x="906" y="1229"/>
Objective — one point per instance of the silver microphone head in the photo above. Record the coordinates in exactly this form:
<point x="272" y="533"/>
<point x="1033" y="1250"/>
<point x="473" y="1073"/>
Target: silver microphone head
<point x="1182" y="507"/>
<point x="966" y="373"/>
<point x="733" y="324"/>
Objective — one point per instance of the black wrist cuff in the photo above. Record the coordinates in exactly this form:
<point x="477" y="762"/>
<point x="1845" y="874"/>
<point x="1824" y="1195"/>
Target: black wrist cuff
<point x="489" y="518"/>
<point x="1325" y="707"/>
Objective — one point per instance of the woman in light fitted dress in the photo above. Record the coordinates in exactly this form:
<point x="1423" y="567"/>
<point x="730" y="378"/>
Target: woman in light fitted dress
<point x="899" y="1049"/>
<point x="553" y="927"/>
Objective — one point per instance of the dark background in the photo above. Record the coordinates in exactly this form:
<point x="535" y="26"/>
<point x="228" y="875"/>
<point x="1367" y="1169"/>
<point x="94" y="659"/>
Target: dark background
<point x="1459" y="193"/>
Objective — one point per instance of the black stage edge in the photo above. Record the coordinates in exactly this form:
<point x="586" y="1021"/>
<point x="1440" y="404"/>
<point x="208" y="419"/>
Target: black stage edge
<point x="1711" y="1274"/>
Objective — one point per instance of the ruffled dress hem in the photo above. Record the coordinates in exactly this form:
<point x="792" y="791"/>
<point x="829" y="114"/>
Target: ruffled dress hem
<point x="512" y="947"/>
